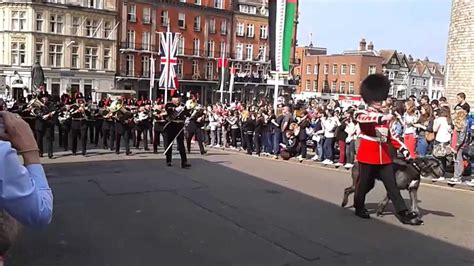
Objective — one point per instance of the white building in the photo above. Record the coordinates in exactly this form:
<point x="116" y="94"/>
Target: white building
<point x="426" y="78"/>
<point x="74" y="41"/>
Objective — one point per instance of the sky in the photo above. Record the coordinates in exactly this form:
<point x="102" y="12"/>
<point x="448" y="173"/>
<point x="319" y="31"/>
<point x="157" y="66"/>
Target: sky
<point x="416" y="27"/>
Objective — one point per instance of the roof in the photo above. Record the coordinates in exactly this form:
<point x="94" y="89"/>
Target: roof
<point x="387" y="55"/>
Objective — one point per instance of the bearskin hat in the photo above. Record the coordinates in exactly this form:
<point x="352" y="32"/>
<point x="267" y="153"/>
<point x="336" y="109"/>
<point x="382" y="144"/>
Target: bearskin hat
<point x="375" y="88"/>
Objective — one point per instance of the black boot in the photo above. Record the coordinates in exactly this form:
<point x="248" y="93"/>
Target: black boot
<point x="185" y="165"/>
<point x="362" y="213"/>
<point x="407" y="217"/>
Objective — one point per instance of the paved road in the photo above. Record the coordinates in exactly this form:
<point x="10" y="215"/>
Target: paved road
<point x="232" y="209"/>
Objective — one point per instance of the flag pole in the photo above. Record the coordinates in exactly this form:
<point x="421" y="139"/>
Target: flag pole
<point x="222" y="73"/>
<point x="152" y="75"/>
<point x="231" y="85"/>
<point x="168" y="60"/>
<point x="275" y="93"/>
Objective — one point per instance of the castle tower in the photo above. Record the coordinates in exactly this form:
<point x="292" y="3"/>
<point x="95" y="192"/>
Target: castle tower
<point x="460" y="57"/>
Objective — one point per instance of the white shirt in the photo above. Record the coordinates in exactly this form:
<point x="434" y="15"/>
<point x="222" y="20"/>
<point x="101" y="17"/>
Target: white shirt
<point x="442" y="129"/>
<point x="329" y="126"/>
<point x="409" y="120"/>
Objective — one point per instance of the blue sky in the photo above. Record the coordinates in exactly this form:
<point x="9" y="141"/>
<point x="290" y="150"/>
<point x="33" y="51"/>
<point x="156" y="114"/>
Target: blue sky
<point x="416" y="27"/>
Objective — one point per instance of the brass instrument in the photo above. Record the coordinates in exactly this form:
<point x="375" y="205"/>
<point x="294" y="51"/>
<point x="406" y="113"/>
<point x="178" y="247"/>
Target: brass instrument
<point x="35" y="103"/>
<point x="118" y="110"/>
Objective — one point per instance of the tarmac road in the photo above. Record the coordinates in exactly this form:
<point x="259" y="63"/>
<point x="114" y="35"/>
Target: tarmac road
<point x="233" y="209"/>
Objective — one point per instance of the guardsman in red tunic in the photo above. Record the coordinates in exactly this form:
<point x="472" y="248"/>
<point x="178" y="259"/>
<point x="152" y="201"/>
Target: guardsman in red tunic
<point x="373" y="155"/>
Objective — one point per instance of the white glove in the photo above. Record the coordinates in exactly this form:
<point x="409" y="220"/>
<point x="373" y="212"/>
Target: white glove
<point x="179" y="108"/>
<point x="405" y="153"/>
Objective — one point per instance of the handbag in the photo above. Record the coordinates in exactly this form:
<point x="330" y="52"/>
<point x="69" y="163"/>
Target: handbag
<point x="430" y="136"/>
<point x="441" y="150"/>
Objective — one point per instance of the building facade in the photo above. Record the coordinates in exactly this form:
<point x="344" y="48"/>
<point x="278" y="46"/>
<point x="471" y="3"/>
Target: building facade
<point x="307" y="70"/>
<point x="426" y="78"/>
<point x="339" y="76"/>
<point x="460" y="55"/>
<point x="209" y="30"/>
<point x="396" y="67"/>
<point x="74" y="40"/>
<point x="204" y="28"/>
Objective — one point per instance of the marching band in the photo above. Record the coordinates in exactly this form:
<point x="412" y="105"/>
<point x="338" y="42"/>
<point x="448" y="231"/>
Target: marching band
<point x="114" y="122"/>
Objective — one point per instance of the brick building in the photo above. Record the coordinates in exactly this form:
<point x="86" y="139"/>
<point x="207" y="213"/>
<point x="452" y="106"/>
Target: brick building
<point x="204" y="27"/>
<point x="460" y="56"/>
<point x="307" y="70"/>
<point x="209" y="29"/>
<point x="338" y="76"/>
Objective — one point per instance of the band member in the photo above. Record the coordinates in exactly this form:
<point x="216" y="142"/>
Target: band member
<point x="97" y="120"/>
<point x="141" y="120"/>
<point x="159" y="121"/>
<point x="108" y="129"/>
<point x="44" y="125"/>
<point x="373" y="154"/>
<point x="65" y="121"/>
<point x="174" y="129"/>
<point x="79" y="127"/>
<point x="196" y="122"/>
<point x="123" y="128"/>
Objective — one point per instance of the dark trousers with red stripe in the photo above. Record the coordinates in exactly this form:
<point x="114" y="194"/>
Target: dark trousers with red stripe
<point x="366" y="181"/>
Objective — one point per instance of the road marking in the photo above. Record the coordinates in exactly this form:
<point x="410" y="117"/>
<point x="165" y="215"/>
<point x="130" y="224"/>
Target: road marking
<point x="317" y="166"/>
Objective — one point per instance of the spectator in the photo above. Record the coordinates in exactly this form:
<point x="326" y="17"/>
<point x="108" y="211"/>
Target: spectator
<point x="351" y="130"/>
<point x="424" y="126"/>
<point x="462" y="104"/>
<point x="442" y="130"/>
<point x="329" y="124"/>
<point x="460" y="125"/>
<point x="409" y="119"/>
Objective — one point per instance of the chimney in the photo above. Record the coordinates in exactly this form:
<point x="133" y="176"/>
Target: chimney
<point x="362" y="45"/>
<point x="370" y="47"/>
<point x="426" y="59"/>
<point x="410" y="58"/>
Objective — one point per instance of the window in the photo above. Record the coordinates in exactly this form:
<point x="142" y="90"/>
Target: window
<point x="413" y="81"/>
<point x="91" y="27"/>
<point x="56" y="24"/>
<point x="107" y="58"/>
<point x="262" y="52"/>
<point x="164" y="18"/>
<point x="131" y="39"/>
<point x="210" y="48"/>
<point x="75" y="56"/>
<point x="353" y="69"/>
<point x="334" y="69"/>
<point x="333" y="87"/>
<point x="107" y="29"/>
<point x="240" y="29"/>
<point x="249" y="51"/>
<point x="308" y="69"/>
<point x="343" y="69"/>
<point x="209" y="70"/>
<point x="372" y="70"/>
<point x="316" y="69"/>
<point x="195" y="67"/>
<point x="244" y="8"/>
<point x="212" y="25"/>
<point x="238" y="68"/>
<point x="145" y="66"/>
<point x="391" y="75"/>
<point x="146" y="41"/>
<point x="424" y="82"/>
<point x="132" y="14"/>
<point x="342" y="87"/>
<point x="315" y="85"/>
<point x="393" y="61"/>
<point x="197" y="23"/>
<point x="326" y="69"/>
<point x="239" y="51"/>
<point x="250" y="30"/>
<point x="179" y="70"/>
<point x="326" y="86"/>
<point x="180" y="50"/>
<point x="308" y="85"/>
<point x="182" y="20"/>
<point x="146" y="15"/>
<point x="196" y="47"/>
<point x="130" y="67"/>
<point x="76" y="24"/>
<point x="351" y="87"/>
<point x="55" y="54"/>
<point x="263" y="32"/>
<point x="218" y="4"/>
<point x="39" y="51"/>
<point x="197" y="2"/>
<point x="93" y="3"/>
<point x="91" y="58"/>
<point x="253" y="10"/>
<point x="18" y="20"/>
<point x="248" y="68"/>
<point x="18" y="53"/>
<point x="223" y="27"/>
<point x="39" y="21"/>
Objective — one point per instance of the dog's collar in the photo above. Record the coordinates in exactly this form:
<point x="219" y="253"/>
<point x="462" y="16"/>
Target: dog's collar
<point x="416" y="167"/>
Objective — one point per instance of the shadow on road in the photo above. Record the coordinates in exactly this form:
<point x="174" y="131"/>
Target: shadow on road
<point x="140" y="212"/>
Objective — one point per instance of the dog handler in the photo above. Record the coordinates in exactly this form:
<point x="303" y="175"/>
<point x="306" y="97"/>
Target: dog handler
<point x="373" y="155"/>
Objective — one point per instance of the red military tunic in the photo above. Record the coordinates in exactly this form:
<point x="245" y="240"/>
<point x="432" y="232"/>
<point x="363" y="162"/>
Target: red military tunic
<point x="374" y="149"/>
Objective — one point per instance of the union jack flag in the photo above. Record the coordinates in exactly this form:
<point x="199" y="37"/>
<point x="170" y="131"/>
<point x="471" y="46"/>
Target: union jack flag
<point x="169" y="60"/>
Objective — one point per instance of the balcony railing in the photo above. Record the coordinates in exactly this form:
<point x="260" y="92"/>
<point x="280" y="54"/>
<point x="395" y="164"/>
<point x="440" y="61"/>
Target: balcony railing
<point x="140" y="47"/>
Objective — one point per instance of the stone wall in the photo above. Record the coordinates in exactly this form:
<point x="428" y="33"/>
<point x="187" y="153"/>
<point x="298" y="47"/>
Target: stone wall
<point x="460" y="55"/>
